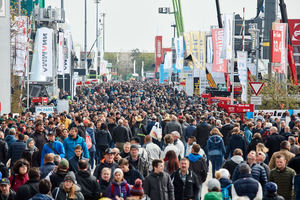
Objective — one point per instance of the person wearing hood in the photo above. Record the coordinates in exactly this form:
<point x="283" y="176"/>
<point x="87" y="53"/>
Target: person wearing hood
<point x="130" y="173"/>
<point x="68" y="190"/>
<point x="6" y="192"/>
<point x="236" y="140"/>
<point x="89" y="186"/>
<point x="119" y="188"/>
<point x="216" y="149"/>
<point x="31" y="153"/>
<point x="214" y="190"/>
<point x="44" y="191"/>
<point x="55" y="147"/>
<point x="234" y="161"/>
<point x="198" y="166"/>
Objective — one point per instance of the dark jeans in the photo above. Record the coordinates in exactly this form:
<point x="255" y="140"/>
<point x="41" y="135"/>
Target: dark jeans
<point x="92" y="159"/>
<point x="297" y="186"/>
<point x="216" y="162"/>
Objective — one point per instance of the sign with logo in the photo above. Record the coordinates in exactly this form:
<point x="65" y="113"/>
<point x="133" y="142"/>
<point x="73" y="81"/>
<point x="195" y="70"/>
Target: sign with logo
<point x="158" y="52"/>
<point x="219" y="64"/>
<point x="44" y="109"/>
<point x="45" y="36"/>
<point x="256" y="87"/>
<point x="283" y="46"/>
<point x="256" y="100"/>
<point x="294" y="27"/>
<point x="276" y="46"/>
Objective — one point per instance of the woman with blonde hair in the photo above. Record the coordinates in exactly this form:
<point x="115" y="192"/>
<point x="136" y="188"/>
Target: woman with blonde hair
<point x="255" y="140"/>
<point x="236" y="140"/>
<point x="216" y="149"/>
<point x="260" y="147"/>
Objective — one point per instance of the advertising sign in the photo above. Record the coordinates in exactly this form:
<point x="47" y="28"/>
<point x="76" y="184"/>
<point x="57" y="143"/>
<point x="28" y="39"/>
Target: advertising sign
<point x="219" y="64"/>
<point x="196" y="86"/>
<point x="243" y="72"/>
<point x="227" y="48"/>
<point x="158" y="52"/>
<point x="44" y="109"/>
<point x="294" y="28"/>
<point x="283" y="47"/>
<point x="276" y="46"/>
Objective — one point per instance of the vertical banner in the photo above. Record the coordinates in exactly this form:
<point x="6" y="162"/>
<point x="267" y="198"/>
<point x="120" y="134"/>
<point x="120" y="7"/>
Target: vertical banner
<point x="158" y="52"/>
<point x="243" y="72"/>
<point x="61" y="60"/>
<point x="209" y="50"/>
<point x="202" y="47"/>
<point x="67" y="52"/>
<point x="168" y="61"/>
<point x="227" y="48"/>
<point x="196" y="85"/>
<point x="198" y="49"/>
<point x="188" y="48"/>
<point x="219" y="64"/>
<point x="276" y="43"/>
<point x="283" y="47"/>
<point x="179" y="52"/>
<point x="103" y="69"/>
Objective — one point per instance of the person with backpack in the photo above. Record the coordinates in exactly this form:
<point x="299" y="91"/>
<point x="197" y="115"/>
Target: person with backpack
<point x="52" y="146"/>
<point x="224" y="177"/>
<point x="119" y="188"/>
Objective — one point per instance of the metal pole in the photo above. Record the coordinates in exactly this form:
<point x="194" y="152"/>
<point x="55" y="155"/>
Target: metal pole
<point x="103" y="33"/>
<point x="257" y="52"/>
<point x="85" y="37"/>
<point x="97" y="35"/>
<point x="28" y="98"/>
<point x="232" y="61"/>
<point x="219" y="14"/>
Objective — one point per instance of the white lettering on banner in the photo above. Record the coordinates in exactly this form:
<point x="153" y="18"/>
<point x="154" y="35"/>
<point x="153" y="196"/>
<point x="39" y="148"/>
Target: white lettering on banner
<point x="44" y="109"/>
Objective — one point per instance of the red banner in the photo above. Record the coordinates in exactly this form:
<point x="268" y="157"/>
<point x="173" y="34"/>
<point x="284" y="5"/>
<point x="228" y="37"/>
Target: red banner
<point x="219" y="65"/>
<point x="158" y="52"/>
<point x="294" y="26"/>
<point x="276" y="46"/>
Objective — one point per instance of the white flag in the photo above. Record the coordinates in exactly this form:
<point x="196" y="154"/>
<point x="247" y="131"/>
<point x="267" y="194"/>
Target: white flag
<point x="242" y="70"/>
<point x="227" y="48"/>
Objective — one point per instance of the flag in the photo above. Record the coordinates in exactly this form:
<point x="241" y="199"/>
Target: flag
<point x="227" y="48"/>
<point x="210" y="79"/>
<point x="243" y="72"/>
<point x="219" y="64"/>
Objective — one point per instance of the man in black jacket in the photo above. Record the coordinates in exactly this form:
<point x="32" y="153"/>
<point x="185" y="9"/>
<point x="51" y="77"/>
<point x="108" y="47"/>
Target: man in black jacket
<point x="16" y="149"/>
<point x="73" y="162"/>
<point x="88" y="183"/>
<point x="3" y="149"/>
<point x="185" y="181"/>
<point x="120" y="135"/>
<point x="273" y="141"/>
<point x="202" y="133"/>
<point x="130" y="173"/>
<point x="30" y="188"/>
<point x="6" y="193"/>
<point x="107" y="162"/>
<point x="226" y="130"/>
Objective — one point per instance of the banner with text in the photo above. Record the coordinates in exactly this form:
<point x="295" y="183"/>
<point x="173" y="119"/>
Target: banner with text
<point x="227" y="48"/>
<point x="158" y="52"/>
<point x="282" y="46"/>
<point x="242" y="70"/>
<point x="61" y="59"/>
<point x="219" y="64"/>
<point x="179" y="52"/>
<point x="197" y="46"/>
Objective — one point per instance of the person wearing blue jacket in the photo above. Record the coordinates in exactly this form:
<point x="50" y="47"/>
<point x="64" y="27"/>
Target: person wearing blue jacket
<point x="216" y="149"/>
<point x="55" y="147"/>
<point x="71" y="141"/>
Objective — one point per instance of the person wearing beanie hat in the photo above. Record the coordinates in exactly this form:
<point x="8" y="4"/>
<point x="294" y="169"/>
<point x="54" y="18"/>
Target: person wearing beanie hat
<point x="68" y="189"/>
<point x="214" y="190"/>
<point x="271" y="192"/>
<point x="31" y="153"/>
<point x="58" y="177"/>
<point x="119" y="188"/>
<point x="137" y="190"/>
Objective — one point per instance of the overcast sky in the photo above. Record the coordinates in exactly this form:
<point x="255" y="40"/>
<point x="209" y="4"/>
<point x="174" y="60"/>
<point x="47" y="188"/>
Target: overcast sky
<point x="133" y="24"/>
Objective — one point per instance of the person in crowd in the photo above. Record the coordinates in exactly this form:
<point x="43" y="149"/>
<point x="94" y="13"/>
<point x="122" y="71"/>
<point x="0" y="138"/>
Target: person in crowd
<point x="10" y="137"/>
<point x="273" y="141"/>
<point x="271" y="192"/>
<point x="119" y="188"/>
<point x="68" y="189"/>
<point x="31" y="153"/>
<point x="6" y="193"/>
<point x="260" y="159"/>
<point x="158" y="185"/>
<point x="236" y="140"/>
<point x="248" y="132"/>
<point x="78" y="123"/>
<point x="64" y="120"/>
<point x="103" y="140"/>
<point x="16" y="149"/>
<point x="283" y="177"/>
<point x="295" y="149"/>
<point x="90" y="188"/>
<point x="44" y="191"/>
<point x="284" y="150"/>
<point x="255" y="140"/>
<point x="202" y="133"/>
<point x="234" y="161"/>
<point x="294" y="163"/>
<point x="169" y="141"/>
<point x="73" y="162"/>
<point x="48" y="166"/>
<point x="130" y="173"/>
<point x="190" y="129"/>
<point x="117" y="156"/>
<point x="171" y="162"/>
<point x="190" y="142"/>
<point x="137" y="191"/>
<point x="214" y="190"/>
<point x="137" y="161"/>
<point x="216" y="149"/>
<point x="90" y="132"/>
<point x="126" y="150"/>
<point x="246" y="185"/>
<point x="72" y="141"/>
<point x="3" y="149"/>
<point x="224" y="178"/>
<point x="139" y="129"/>
<point x="39" y="136"/>
<point x="173" y="125"/>
<point x="104" y="181"/>
<point x="120" y="135"/>
<point x="185" y="181"/>
<point x="20" y="174"/>
<point x="107" y="162"/>
<point x="59" y="174"/>
<point x="142" y="151"/>
<point x="31" y="187"/>
<point x="226" y="130"/>
<point x="154" y="151"/>
<point x="178" y="143"/>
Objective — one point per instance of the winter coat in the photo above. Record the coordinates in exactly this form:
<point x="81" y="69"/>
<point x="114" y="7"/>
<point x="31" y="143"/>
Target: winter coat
<point x="103" y="187"/>
<point x="154" y="152"/>
<point x="253" y="143"/>
<point x="185" y="190"/>
<point x="189" y="132"/>
<point x="173" y="126"/>
<point x="41" y="197"/>
<point x="180" y="146"/>
<point x="132" y="175"/>
<point x="248" y="134"/>
<point x="138" y="129"/>
<point x="170" y="147"/>
<point x="57" y="146"/>
<point x="103" y="140"/>
<point x="89" y="186"/>
<point x="12" y="195"/>
<point x="39" y="139"/>
<point x="91" y="133"/>
<point x="32" y="157"/>
<point x="231" y="164"/>
<point x="73" y="163"/>
<point x="225" y="183"/>
<point x="120" y="134"/>
<point x="159" y="186"/>
<point x="70" y="144"/>
<point x="198" y="166"/>
<point x="272" y="196"/>
<point x="9" y="139"/>
<point x="294" y="163"/>
<point x="297" y="186"/>
<point x="17" y="180"/>
<point x="284" y="181"/>
<point x="121" y="190"/>
<point x="273" y="143"/>
<point x="213" y="196"/>
<point x="288" y="156"/>
<point x="57" y="178"/>
<point x="111" y="127"/>
<point x="236" y="141"/>
<point x="15" y="151"/>
<point x="60" y="194"/>
<point x="202" y="133"/>
<point x="3" y="151"/>
<point x="46" y="169"/>
<point x="141" y="165"/>
<point x="215" y="146"/>
<point x="226" y="132"/>
<point x="98" y="170"/>
<point x="28" y="190"/>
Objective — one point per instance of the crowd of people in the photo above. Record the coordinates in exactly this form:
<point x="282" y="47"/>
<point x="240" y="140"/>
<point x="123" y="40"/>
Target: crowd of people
<point x="142" y="140"/>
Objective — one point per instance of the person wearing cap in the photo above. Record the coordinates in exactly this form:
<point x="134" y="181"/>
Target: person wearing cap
<point x="139" y="129"/>
<point x="271" y="192"/>
<point x="137" y="161"/>
<point x="52" y="146"/>
<point x="246" y="185"/>
<point x="31" y="153"/>
<point x="142" y="150"/>
<point x="119" y="189"/>
<point x="137" y="191"/>
<point x="68" y="190"/>
<point x="107" y="162"/>
<point x="120" y="135"/>
<point x="59" y="174"/>
<point x="6" y="192"/>
<point x="214" y="190"/>
<point x="72" y="141"/>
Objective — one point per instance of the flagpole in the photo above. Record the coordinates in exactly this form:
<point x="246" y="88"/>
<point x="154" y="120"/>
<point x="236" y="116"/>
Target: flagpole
<point x="232" y="61"/>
